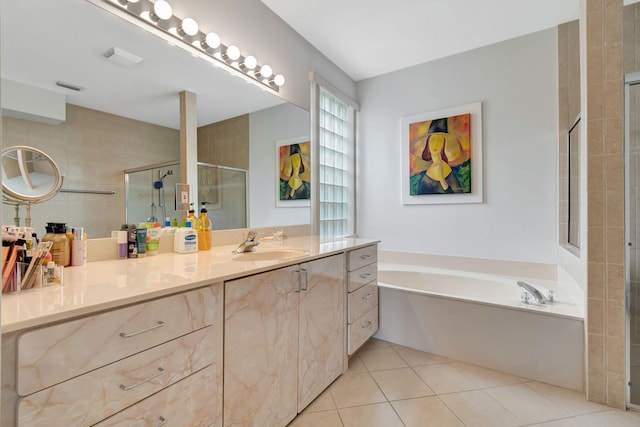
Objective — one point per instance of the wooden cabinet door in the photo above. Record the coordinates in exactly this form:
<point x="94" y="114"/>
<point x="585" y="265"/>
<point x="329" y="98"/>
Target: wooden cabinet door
<point x="322" y="326"/>
<point x="261" y="349"/>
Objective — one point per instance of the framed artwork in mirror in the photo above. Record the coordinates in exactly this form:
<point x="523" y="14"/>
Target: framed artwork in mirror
<point x="293" y="166"/>
<point x="442" y="156"/>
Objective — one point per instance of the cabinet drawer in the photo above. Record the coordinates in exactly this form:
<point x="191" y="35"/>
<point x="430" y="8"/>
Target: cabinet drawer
<point x="89" y="398"/>
<point x="192" y="402"/>
<point x="362" y="276"/>
<point x="362" y="301"/>
<point x="53" y="354"/>
<point x="363" y="256"/>
<point x="362" y="329"/>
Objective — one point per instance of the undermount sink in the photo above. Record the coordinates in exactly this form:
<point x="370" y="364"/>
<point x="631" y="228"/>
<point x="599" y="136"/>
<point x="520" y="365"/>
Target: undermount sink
<point x="268" y="254"/>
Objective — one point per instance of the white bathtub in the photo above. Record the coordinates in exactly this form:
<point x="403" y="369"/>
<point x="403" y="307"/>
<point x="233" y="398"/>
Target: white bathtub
<point x="478" y="318"/>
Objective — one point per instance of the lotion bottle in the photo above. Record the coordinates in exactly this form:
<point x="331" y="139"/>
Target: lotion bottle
<point x="185" y="240"/>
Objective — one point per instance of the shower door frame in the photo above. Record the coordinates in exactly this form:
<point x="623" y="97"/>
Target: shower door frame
<point x="171" y="163"/>
<point x="630" y="79"/>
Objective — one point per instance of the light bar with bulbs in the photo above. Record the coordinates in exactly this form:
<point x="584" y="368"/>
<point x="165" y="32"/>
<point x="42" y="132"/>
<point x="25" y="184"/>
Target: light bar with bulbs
<point x="158" y="18"/>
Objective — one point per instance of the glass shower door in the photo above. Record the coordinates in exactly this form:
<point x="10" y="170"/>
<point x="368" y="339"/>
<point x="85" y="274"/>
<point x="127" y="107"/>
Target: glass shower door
<point x="632" y="147"/>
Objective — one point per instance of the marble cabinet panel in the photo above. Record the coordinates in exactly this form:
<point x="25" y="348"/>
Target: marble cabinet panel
<point x="321" y="327"/>
<point x="55" y="353"/>
<point x="362" y="300"/>
<point x="187" y="403"/>
<point x="261" y="349"/>
<point x="89" y="398"/>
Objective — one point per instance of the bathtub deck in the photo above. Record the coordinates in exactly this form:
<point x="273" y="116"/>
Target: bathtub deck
<point x="389" y="385"/>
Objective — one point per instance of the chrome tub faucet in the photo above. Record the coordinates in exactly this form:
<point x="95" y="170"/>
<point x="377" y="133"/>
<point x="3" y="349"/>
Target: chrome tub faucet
<point x="532" y="291"/>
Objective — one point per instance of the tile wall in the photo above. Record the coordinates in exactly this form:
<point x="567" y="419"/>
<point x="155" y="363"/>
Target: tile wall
<point x="602" y="46"/>
<point x="92" y="149"/>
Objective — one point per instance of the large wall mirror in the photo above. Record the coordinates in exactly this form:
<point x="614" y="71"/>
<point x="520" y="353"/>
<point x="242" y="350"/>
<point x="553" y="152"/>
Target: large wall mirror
<point x="125" y="117"/>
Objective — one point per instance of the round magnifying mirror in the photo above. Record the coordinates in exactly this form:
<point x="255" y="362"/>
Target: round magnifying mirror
<point x="29" y="175"/>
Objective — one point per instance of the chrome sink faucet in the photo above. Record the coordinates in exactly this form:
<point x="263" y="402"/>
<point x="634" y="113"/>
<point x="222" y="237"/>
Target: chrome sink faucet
<point x="535" y="293"/>
<point x="249" y="244"/>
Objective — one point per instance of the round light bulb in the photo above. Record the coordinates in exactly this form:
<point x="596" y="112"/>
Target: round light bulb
<point x="190" y="26"/>
<point x="212" y="40"/>
<point x="250" y="62"/>
<point x="233" y="52"/>
<point x="162" y="9"/>
<point x="279" y="80"/>
<point x="266" y="71"/>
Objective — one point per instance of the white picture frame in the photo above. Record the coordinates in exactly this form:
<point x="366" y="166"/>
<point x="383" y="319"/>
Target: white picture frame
<point x="307" y="165"/>
<point x="476" y="161"/>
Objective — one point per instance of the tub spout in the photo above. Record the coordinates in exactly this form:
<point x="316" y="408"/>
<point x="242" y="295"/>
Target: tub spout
<point x="534" y="292"/>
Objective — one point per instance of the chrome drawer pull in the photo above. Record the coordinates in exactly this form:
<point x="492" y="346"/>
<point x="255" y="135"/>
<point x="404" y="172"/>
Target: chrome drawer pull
<point x="365" y="275"/>
<point x="163" y="421"/>
<point x="365" y="256"/>
<point x="160" y="324"/>
<point x="366" y="324"/>
<point x="367" y="296"/>
<point x="130" y="387"/>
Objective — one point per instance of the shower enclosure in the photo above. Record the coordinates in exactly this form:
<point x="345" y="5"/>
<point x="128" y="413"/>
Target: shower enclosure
<point x="632" y="219"/>
<point x="150" y="194"/>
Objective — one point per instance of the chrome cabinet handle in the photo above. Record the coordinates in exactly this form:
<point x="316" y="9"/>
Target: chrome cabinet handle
<point x="365" y="256"/>
<point x="366" y="324"/>
<point x="160" y="324"/>
<point x="163" y="421"/>
<point x="367" y="296"/>
<point x="132" y="386"/>
<point x="306" y="279"/>
<point x="365" y="275"/>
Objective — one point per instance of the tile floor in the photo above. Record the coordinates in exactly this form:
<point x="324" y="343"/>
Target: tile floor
<point x="389" y="385"/>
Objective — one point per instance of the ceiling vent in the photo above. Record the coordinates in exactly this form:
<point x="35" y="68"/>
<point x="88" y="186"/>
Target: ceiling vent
<point x="121" y="57"/>
<point x="69" y="86"/>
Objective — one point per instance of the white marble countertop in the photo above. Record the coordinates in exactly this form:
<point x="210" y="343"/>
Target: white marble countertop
<point x="103" y="285"/>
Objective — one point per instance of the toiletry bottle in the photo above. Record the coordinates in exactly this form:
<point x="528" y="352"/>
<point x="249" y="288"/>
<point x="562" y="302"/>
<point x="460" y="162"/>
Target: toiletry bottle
<point x="186" y="239"/>
<point x="122" y="243"/>
<point x="204" y="229"/>
<point x="192" y="216"/>
<point x="153" y="239"/>
<point x="61" y="248"/>
<point x="141" y="240"/>
<point x="132" y="247"/>
<point x="77" y="246"/>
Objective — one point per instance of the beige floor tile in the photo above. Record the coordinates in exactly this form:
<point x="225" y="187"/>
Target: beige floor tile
<point x="379" y="358"/>
<point x="526" y="404"/>
<point x="356" y="365"/>
<point x="477" y="409"/>
<point x="426" y="412"/>
<point x="418" y="358"/>
<point x="317" y="419"/>
<point x="399" y="384"/>
<point x="565" y="422"/>
<point x="484" y="377"/>
<point x="355" y="389"/>
<point x="374" y="343"/>
<point x="377" y="415"/>
<point x="444" y="378"/>
<point x="324" y="402"/>
<point x="612" y="417"/>
<point x="574" y="401"/>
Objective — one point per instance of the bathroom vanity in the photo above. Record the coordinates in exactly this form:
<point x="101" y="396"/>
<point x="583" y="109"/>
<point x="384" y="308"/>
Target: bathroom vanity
<point x="150" y="340"/>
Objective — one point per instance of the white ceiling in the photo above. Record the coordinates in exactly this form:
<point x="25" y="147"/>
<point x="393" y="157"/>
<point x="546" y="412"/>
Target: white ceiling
<point x="367" y="38"/>
<point x="44" y="41"/>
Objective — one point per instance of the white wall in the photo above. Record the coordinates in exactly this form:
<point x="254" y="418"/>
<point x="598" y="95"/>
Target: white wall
<point x="516" y="81"/>
<point x="266" y="127"/>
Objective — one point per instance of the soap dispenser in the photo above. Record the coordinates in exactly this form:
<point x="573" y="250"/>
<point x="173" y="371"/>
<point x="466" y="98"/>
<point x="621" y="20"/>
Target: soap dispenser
<point x="204" y="229"/>
<point x="192" y="216"/>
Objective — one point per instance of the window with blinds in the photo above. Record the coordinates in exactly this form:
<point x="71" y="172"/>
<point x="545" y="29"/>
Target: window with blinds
<point x="336" y="175"/>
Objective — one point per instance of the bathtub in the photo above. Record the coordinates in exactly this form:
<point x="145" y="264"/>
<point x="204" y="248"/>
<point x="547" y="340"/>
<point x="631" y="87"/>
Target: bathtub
<point x="478" y="318"/>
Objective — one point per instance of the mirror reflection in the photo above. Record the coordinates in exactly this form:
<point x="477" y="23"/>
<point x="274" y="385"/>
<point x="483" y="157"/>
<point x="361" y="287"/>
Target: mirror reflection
<point x="125" y="118"/>
<point x="29" y="175"/>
